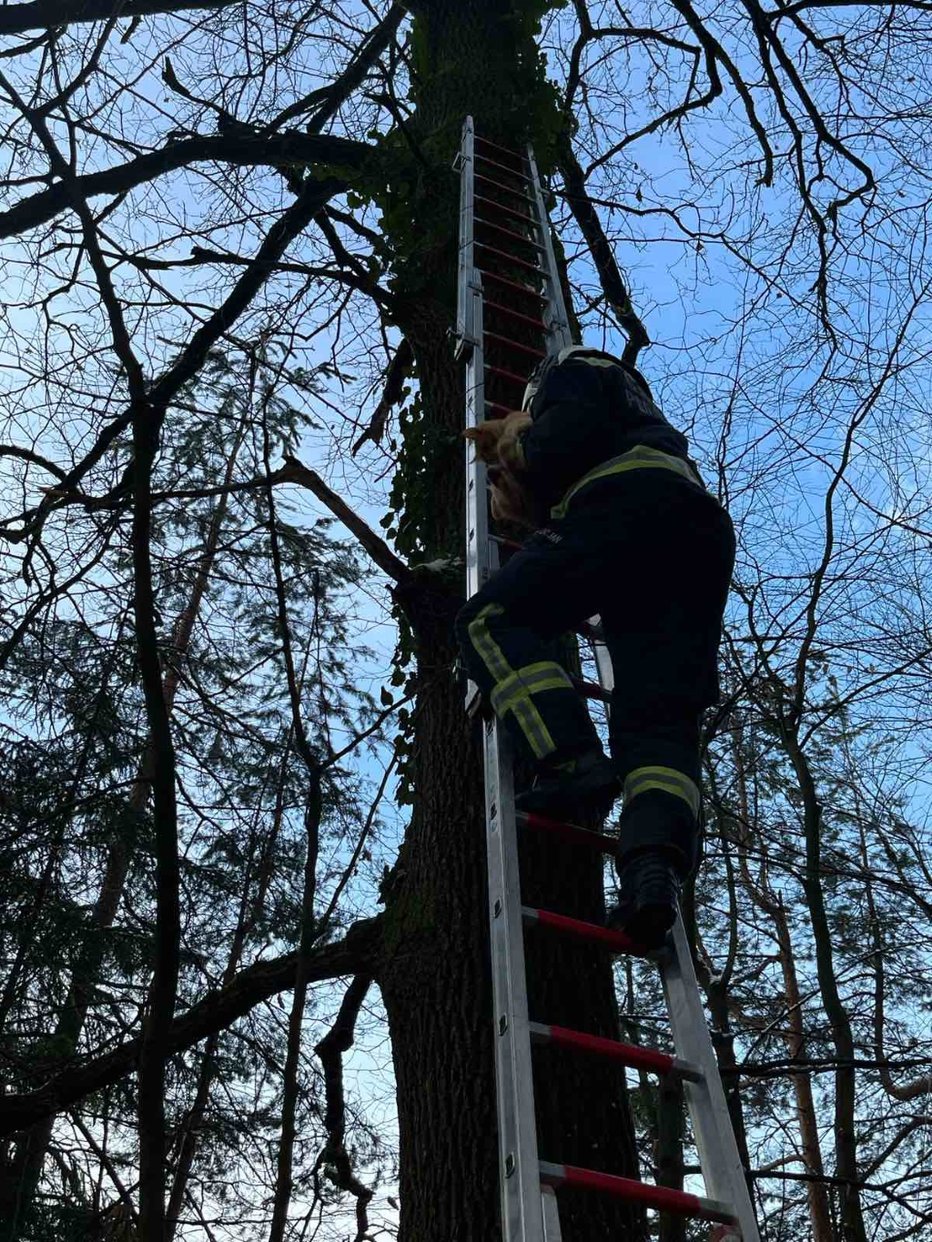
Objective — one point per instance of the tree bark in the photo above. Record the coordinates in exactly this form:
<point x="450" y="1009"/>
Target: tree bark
<point x="820" y="1218"/>
<point x="434" y="974"/>
<point x="846" y="1148"/>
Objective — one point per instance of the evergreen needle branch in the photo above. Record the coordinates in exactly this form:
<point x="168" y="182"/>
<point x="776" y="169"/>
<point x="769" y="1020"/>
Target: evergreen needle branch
<point x="312" y="819"/>
<point x="216" y="1011"/>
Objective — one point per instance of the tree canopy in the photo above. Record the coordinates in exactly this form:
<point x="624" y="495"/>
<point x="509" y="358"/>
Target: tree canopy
<point x="241" y="805"/>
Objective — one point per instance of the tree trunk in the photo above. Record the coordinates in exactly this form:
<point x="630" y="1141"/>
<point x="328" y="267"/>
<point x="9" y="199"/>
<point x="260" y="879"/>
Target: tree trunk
<point x="819" y="1215"/>
<point x="671" y="1128"/>
<point x="250" y="908"/>
<point x="846" y="1149"/>
<point x="435" y="972"/>
<point x="771" y="904"/>
<point x="24" y="1169"/>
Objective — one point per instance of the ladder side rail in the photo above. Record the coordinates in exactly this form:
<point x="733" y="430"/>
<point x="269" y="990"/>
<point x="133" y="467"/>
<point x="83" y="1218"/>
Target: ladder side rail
<point x="714" y="1134"/>
<point x="519" y="1172"/>
<point x="558" y="324"/>
<point x="551" y="1213"/>
<point x="722" y="1169"/>
<point x="519" y="1168"/>
<point x="559" y="337"/>
<point x="468" y="333"/>
<point x="481" y="550"/>
<point x="481" y="556"/>
<point x="603" y="661"/>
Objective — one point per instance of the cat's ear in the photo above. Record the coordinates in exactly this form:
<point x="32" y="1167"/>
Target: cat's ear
<point x="485" y="439"/>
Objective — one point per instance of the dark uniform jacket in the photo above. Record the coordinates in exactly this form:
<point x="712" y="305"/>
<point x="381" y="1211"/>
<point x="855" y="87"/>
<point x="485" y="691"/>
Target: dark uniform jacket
<point x="587" y="409"/>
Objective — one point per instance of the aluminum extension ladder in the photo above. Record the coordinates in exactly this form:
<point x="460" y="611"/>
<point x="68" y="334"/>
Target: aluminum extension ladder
<point x="511" y="314"/>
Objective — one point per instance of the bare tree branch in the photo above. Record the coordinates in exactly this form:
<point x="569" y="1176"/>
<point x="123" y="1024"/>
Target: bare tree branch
<point x="357" y="952"/>
<point x="613" y="285"/>
<point x="396" y="373"/>
<point x="294" y="471"/>
<point x="331" y="98"/>
<point x="248" y="149"/>
<point x="15" y="18"/>
<point x="330" y="1049"/>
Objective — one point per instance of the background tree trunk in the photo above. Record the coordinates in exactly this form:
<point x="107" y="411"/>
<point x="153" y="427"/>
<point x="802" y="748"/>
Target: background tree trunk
<point x="21" y="1174"/>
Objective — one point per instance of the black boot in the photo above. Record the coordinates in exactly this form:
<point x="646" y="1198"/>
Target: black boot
<point x="581" y="789"/>
<point x="649" y="883"/>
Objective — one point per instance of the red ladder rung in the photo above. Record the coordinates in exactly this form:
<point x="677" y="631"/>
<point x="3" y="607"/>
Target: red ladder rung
<point x="573" y="834"/>
<point x="507" y="189"/>
<point x="512" y="172"/>
<point x="515" y="345"/>
<point x="678" y="1202"/>
<point x="505" y="409"/>
<point x="593" y="933"/>
<point x="632" y="1055"/>
<point x="508" y="375"/>
<point x="519" y="237"/>
<point x="508" y="211"/>
<point x="511" y="259"/>
<point x="590" y="690"/>
<point x="514" y="284"/>
<point x="506" y="310"/>
<point x="513" y="544"/>
<point x="496" y="146"/>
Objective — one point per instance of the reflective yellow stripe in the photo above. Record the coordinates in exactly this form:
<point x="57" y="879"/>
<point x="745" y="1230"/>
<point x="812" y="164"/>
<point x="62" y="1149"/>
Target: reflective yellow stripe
<point x="641" y="457"/>
<point x="520" y="703"/>
<point x="486" y="645"/>
<point x="668" y="779"/>
<point x="531" y="724"/>
<point x="531" y="679"/>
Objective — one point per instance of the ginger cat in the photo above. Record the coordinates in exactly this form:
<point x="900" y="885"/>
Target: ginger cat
<point x="498" y="445"/>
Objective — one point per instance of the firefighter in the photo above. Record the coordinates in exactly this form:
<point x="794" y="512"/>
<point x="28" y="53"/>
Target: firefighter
<point x="634" y="536"/>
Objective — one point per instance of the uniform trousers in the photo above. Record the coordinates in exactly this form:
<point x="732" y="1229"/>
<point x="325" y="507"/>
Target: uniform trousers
<point x="651" y="553"/>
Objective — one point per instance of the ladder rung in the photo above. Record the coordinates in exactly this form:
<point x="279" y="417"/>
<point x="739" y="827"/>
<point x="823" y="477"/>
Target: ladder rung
<point x="519" y="237"/>
<point x="591" y="690"/>
<point x="496" y="146"/>
<point x="508" y="375"/>
<point x="509" y="258"/>
<point x="617" y="941"/>
<point x="508" y="211"/>
<point x="506" y="310"/>
<point x="595" y="633"/>
<point x="571" y="833"/>
<point x="515" y="345"/>
<point x="514" y="284"/>
<point x="632" y="1055"/>
<point x="512" y="172"/>
<point x="526" y="198"/>
<point x="505" y="409"/>
<point x="660" y="1197"/>
<point x="507" y="543"/>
